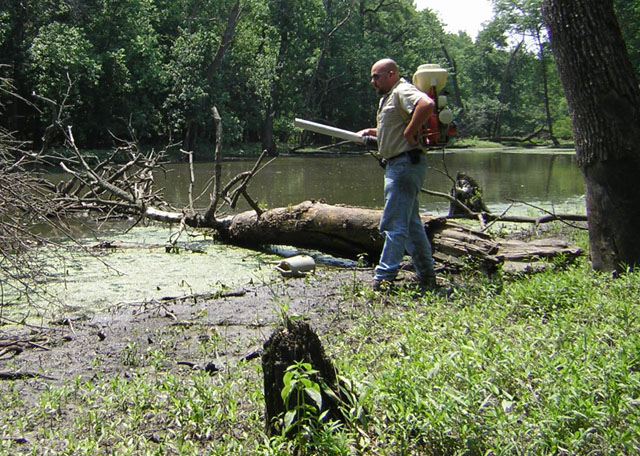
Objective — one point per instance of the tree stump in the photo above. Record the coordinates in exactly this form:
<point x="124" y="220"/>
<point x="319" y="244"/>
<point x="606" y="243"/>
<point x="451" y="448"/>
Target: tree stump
<point x="291" y="344"/>
<point x="468" y="192"/>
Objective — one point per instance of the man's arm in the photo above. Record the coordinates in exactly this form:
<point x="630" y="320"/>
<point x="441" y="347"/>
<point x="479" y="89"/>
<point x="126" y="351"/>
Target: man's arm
<point x="421" y="112"/>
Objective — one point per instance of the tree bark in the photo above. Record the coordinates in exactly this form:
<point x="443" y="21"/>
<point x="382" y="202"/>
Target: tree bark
<point x="339" y="230"/>
<point x="604" y="102"/>
<point x="292" y="344"/>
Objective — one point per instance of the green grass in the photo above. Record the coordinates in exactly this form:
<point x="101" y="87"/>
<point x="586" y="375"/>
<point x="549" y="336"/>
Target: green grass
<point x="472" y="141"/>
<point x="475" y="142"/>
<point x="549" y="364"/>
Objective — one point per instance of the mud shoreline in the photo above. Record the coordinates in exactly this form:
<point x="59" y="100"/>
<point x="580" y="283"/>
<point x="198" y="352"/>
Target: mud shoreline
<point x="241" y="320"/>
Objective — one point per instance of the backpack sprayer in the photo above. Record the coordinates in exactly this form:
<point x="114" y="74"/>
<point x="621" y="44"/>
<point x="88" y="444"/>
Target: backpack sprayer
<point x="429" y="78"/>
<point x="438" y="128"/>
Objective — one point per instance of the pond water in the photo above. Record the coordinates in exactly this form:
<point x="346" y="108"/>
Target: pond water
<point x="105" y="278"/>
<point x="547" y="178"/>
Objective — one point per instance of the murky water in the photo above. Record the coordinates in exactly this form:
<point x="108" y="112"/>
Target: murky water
<point x="544" y="177"/>
<point x="109" y="278"/>
<point x="93" y="279"/>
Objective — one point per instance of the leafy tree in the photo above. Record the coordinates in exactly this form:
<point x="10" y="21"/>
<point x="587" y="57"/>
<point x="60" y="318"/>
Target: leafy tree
<point x="193" y="62"/>
<point x="132" y="85"/>
<point x="485" y="70"/>
<point x="158" y="67"/>
<point x="294" y="28"/>
<point x="524" y="19"/>
<point x="64" y="67"/>
<point x="628" y="14"/>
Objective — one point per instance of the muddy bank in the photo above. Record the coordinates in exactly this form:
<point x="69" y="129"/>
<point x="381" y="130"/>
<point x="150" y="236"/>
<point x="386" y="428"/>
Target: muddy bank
<point x="237" y="321"/>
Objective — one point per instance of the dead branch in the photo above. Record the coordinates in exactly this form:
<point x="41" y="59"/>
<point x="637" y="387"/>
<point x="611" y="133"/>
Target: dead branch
<point x="23" y="375"/>
<point x="210" y="214"/>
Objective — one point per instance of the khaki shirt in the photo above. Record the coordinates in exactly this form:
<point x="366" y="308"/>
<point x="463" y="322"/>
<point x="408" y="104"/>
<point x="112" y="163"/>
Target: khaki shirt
<point x="394" y="113"/>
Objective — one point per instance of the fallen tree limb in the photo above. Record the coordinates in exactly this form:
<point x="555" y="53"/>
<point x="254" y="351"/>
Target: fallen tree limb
<point x="352" y="232"/>
<point x="23" y="375"/>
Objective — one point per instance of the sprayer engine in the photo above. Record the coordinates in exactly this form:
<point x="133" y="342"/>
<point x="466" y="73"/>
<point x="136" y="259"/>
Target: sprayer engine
<point x="431" y="79"/>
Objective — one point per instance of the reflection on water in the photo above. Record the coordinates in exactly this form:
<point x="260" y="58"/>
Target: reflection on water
<point x="542" y="178"/>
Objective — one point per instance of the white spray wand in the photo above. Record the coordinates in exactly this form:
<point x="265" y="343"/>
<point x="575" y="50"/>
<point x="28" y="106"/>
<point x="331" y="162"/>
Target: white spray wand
<point x="333" y="131"/>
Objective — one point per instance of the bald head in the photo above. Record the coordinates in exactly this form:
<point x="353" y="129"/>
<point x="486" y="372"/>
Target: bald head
<point x="386" y="65"/>
<point x="384" y="75"/>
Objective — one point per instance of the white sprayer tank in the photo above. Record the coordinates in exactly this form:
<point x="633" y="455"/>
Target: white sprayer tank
<point x="430" y="75"/>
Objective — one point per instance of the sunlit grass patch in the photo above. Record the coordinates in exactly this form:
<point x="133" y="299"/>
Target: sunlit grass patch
<point x="548" y="365"/>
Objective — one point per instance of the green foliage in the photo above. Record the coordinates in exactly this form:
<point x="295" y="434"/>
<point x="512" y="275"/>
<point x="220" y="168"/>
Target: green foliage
<point x="628" y="14"/>
<point x="545" y="366"/>
<point x="63" y="67"/>
<point x="145" y="65"/>
<point x="303" y="399"/>
<point x="304" y="424"/>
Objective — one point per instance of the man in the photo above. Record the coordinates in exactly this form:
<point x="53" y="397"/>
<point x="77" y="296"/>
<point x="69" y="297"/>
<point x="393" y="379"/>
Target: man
<point x="403" y="109"/>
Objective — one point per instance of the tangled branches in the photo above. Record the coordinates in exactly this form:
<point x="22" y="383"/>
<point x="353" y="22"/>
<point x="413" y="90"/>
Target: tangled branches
<point x="33" y="208"/>
<point x="24" y="206"/>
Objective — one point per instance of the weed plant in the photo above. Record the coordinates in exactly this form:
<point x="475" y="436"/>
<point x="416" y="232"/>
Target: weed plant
<point x="542" y="365"/>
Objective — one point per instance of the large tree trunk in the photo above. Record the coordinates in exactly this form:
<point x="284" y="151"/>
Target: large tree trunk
<point x="604" y="102"/>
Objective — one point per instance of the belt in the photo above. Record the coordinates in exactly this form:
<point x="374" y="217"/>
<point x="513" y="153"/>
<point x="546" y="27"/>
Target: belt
<point x="413" y="154"/>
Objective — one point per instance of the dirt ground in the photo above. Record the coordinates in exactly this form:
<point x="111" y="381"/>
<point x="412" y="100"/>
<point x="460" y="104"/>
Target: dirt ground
<point x="239" y="321"/>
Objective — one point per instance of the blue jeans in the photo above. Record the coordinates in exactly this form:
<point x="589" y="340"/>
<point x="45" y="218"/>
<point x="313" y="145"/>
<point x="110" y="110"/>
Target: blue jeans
<point x="400" y="225"/>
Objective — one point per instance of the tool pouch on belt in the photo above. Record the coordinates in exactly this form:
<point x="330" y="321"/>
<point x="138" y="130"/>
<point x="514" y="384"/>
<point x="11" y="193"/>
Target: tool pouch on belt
<point x="414" y="155"/>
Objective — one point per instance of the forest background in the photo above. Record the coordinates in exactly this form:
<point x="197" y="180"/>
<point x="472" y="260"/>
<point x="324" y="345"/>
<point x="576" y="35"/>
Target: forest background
<point x="156" y="68"/>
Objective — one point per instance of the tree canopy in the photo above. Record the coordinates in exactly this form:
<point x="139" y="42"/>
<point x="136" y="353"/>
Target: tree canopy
<point x="158" y="67"/>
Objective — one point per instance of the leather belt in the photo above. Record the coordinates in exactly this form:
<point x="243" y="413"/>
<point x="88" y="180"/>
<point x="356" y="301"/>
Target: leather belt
<point x="413" y="154"/>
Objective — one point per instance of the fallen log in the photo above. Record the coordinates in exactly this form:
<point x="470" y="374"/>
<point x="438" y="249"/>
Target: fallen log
<point x="339" y="230"/>
<point x="351" y="232"/>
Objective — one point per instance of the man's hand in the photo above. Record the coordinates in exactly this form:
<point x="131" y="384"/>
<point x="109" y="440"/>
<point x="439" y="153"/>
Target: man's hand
<point x="367" y="132"/>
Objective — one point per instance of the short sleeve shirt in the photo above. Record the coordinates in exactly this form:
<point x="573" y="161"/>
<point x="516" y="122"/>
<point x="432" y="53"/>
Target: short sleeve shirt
<point x="394" y="113"/>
